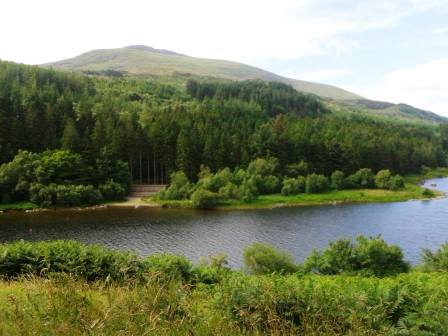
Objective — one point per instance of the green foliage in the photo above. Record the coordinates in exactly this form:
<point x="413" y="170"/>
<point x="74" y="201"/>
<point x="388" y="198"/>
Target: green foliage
<point x="264" y="259"/>
<point x="383" y="179"/>
<point x="179" y="189"/>
<point x="396" y="183"/>
<point x="263" y="167"/>
<point x="97" y="291"/>
<point x="90" y="262"/>
<point x="371" y="257"/>
<point x="363" y="178"/>
<point x="65" y="195"/>
<point x="60" y="178"/>
<point x="293" y="186"/>
<point x="436" y="261"/>
<point x="171" y="266"/>
<point x="204" y="199"/>
<point x="297" y="169"/>
<point x="316" y="183"/>
<point x="337" y="180"/>
<point x="112" y="191"/>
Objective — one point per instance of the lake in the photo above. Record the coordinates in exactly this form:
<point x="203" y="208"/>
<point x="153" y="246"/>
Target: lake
<point x="412" y="225"/>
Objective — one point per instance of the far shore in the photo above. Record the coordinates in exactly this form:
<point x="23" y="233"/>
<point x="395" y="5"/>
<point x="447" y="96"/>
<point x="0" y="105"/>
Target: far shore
<point x="413" y="191"/>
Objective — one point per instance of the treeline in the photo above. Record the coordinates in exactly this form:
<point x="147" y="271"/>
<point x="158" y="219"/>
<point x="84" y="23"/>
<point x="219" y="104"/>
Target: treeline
<point x="159" y="129"/>
<point x="263" y="177"/>
<point x="273" y="97"/>
<point x="63" y="178"/>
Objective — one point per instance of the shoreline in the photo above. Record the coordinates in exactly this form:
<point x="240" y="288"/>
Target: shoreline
<point x="357" y="196"/>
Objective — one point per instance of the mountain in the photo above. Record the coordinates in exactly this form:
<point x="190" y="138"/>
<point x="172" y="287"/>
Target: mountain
<point x="144" y="61"/>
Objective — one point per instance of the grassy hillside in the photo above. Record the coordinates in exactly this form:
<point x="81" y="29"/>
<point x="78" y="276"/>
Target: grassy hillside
<point x="146" y="61"/>
<point x="395" y="111"/>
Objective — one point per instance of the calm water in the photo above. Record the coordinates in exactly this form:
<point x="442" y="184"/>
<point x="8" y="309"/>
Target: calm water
<point x="413" y="225"/>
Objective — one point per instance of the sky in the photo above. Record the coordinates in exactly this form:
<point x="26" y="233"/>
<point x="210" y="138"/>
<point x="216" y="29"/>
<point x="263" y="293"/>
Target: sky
<point x="388" y="50"/>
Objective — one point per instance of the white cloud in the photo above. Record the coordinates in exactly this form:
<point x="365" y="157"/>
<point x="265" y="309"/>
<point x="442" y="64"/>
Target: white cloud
<point x="424" y="86"/>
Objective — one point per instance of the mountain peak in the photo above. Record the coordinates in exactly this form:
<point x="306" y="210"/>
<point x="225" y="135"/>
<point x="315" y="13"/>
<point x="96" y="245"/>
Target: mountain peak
<point x="142" y="47"/>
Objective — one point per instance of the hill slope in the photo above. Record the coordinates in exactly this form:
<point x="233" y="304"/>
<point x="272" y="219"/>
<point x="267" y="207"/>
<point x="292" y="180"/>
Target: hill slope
<point x="147" y="61"/>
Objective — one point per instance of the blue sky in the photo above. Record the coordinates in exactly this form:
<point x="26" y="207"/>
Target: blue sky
<point x="394" y="50"/>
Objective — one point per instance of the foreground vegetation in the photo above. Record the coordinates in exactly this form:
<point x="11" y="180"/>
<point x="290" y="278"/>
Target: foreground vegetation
<point x="351" y="288"/>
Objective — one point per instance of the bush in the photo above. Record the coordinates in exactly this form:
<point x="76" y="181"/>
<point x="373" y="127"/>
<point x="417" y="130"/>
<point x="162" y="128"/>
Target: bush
<point x="316" y="183"/>
<point x="67" y="195"/>
<point x="263" y="167"/>
<point x="293" y="186"/>
<point x="428" y="192"/>
<point x="112" y="191"/>
<point x="91" y="262"/>
<point x="180" y="188"/>
<point x="337" y="180"/>
<point x="264" y="259"/>
<point x="383" y="179"/>
<point x="436" y="261"/>
<point x="171" y="266"/>
<point x="212" y="270"/>
<point x="363" y="178"/>
<point x="369" y="257"/>
<point x="204" y="199"/>
<point x="44" y="196"/>
<point x="396" y="183"/>
<point x="89" y="195"/>
<point x="297" y="169"/>
<point x="230" y="191"/>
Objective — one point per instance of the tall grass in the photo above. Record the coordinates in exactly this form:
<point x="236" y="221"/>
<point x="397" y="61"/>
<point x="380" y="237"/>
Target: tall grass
<point x="67" y="288"/>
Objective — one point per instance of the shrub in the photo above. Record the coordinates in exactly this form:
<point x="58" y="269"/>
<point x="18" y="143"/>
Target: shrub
<point x="428" y="192"/>
<point x="91" y="262"/>
<point x="297" y="169"/>
<point x="44" y="196"/>
<point x="89" y="195"/>
<point x="364" y="178"/>
<point x="369" y="257"/>
<point x="436" y="261"/>
<point x="112" y="191"/>
<point x="383" y="179"/>
<point x="396" y="183"/>
<point x="337" y="180"/>
<point x="212" y="270"/>
<point x="270" y="185"/>
<point x="264" y="259"/>
<point x="171" y="266"/>
<point x="316" y="183"/>
<point x="263" y="167"/>
<point x="293" y="186"/>
<point x="204" y="199"/>
<point x="180" y="188"/>
<point x="67" y="195"/>
<point x="248" y="190"/>
<point x="230" y="191"/>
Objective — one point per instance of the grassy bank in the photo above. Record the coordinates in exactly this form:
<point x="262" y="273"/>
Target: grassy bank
<point x="66" y="288"/>
<point x="18" y="206"/>
<point x="413" y="190"/>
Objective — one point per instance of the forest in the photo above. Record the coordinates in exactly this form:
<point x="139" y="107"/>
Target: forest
<point x="158" y="128"/>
